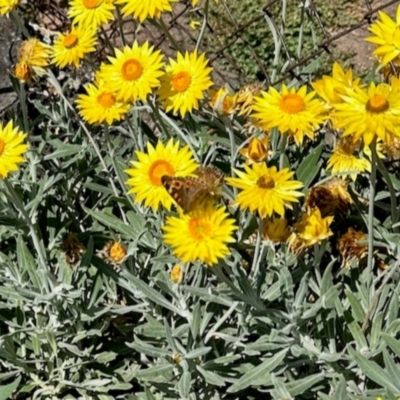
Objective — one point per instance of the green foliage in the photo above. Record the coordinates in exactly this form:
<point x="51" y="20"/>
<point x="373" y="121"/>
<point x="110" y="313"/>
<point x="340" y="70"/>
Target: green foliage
<point x="263" y="323"/>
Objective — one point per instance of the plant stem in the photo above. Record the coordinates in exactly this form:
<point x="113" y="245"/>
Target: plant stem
<point x="24" y="108"/>
<point x="393" y="201"/>
<point x="282" y="151"/>
<point x="158" y="117"/>
<point x="371" y="209"/>
<point x="203" y="26"/>
<point x="106" y="38"/>
<point x="121" y="25"/>
<point x="112" y="158"/>
<point x="164" y="28"/>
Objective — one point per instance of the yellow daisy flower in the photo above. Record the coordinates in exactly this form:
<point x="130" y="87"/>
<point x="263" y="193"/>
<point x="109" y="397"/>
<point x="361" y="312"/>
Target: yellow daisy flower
<point x="7" y="6"/>
<point x="11" y="148"/>
<point x="311" y="230"/>
<point x="142" y="10"/>
<point x="386" y="37"/>
<point x="203" y="235"/>
<point x="291" y="111"/>
<point x="133" y="72"/>
<point x="100" y="105"/>
<point x="91" y="13"/>
<point x="71" y="48"/>
<point x="365" y="113"/>
<point x="146" y="174"/>
<point x="265" y="190"/>
<point x="185" y="82"/>
<point x="331" y="88"/>
<point x="344" y="158"/>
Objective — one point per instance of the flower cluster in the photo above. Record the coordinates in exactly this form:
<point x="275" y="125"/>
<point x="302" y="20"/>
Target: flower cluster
<point x="361" y="116"/>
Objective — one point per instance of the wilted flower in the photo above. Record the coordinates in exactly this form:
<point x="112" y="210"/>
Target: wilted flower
<point x="331" y="197"/>
<point x="73" y="249"/>
<point x="276" y="230"/>
<point x="349" y="248"/>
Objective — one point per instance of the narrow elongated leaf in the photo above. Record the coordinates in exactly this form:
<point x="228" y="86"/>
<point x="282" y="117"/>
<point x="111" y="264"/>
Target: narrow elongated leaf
<point x="256" y="373"/>
<point x="309" y="167"/>
<point x="392" y="343"/>
<point x="184" y="385"/>
<point x="152" y="294"/>
<point x="114" y="223"/>
<point x="373" y="371"/>
<point x="392" y="368"/>
<point x="198" y="352"/>
<point x="301" y="385"/>
<point x="357" y="310"/>
<point x="210" y="377"/>
<point x="155" y="373"/>
<point x="340" y="392"/>
<point x="7" y="390"/>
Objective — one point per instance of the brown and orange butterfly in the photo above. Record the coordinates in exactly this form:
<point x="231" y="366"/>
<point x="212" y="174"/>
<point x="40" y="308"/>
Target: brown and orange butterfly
<point x="191" y="193"/>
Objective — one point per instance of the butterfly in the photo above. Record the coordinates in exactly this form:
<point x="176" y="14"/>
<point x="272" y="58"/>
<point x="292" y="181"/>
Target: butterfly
<point x="191" y="193"/>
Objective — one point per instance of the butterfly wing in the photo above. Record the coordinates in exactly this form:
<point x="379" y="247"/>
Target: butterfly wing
<point x="190" y="193"/>
<point x="184" y="190"/>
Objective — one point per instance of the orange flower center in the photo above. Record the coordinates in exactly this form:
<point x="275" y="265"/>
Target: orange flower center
<point x="181" y="81"/>
<point x="158" y="169"/>
<point x="106" y="99"/>
<point x="132" y="70"/>
<point x="377" y="104"/>
<point x="71" y="40"/>
<point x="199" y="230"/>
<point x="2" y="146"/>
<point x="265" y="182"/>
<point x="292" y="103"/>
<point x="90" y="3"/>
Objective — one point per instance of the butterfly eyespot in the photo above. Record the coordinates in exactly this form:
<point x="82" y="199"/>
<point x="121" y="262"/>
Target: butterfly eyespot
<point x="191" y="193"/>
